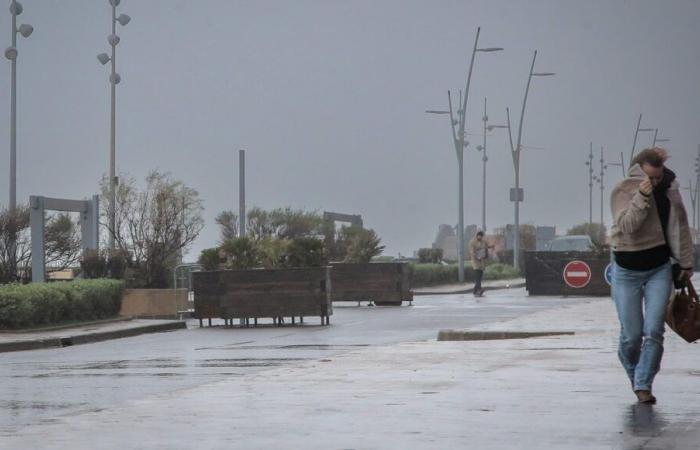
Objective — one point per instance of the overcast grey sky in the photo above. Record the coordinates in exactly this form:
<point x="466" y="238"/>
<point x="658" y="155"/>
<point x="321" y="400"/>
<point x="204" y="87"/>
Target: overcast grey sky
<point x="327" y="97"/>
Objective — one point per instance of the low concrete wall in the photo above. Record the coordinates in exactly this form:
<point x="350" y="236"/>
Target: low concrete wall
<point x="154" y="303"/>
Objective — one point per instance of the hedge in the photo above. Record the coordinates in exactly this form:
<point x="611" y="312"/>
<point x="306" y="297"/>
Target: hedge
<point x="37" y="304"/>
<point x="431" y="274"/>
<point x="500" y="271"/>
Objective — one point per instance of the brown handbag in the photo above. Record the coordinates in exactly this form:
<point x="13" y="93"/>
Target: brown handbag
<point x="683" y="313"/>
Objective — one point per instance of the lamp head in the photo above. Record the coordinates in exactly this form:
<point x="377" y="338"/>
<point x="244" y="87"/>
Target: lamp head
<point x="11" y="53"/>
<point x="103" y="58"/>
<point x="123" y="19"/>
<point x="26" y="30"/>
<point x="16" y="8"/>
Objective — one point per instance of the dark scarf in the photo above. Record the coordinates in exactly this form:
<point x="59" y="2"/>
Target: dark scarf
<point x="663" y="204"/>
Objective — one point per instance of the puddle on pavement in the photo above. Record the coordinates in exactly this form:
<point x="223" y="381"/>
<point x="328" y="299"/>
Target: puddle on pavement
<point x="16" y="405"/>
<point x="287" y="347"/>
<point x="152" y="368"/>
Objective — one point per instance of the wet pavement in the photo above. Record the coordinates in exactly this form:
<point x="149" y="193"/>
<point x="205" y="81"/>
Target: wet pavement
<point x="371" y="380"/>
<point x="40" y="385"/>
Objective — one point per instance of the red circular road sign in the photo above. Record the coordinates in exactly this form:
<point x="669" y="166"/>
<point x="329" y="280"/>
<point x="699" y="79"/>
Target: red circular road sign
<point x="577" y="274"/>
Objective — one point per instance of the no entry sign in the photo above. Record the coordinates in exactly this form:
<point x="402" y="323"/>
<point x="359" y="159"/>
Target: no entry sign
<point x="577" y="274"/>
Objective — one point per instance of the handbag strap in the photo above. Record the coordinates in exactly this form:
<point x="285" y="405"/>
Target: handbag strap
<point x="691" y="291"/>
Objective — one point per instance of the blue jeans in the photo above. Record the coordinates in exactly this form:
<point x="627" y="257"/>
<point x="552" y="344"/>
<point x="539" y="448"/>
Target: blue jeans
<point x="641" y="298"/>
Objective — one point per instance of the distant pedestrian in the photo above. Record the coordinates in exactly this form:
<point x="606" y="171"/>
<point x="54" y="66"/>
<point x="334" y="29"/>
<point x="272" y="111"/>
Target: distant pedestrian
<point x="479" y="251"/>
<point x="650" y="234"/>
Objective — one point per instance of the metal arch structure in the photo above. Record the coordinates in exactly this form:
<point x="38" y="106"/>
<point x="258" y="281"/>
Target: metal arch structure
<point x="355" y="220"/>
<point x="330" y="219"/>
<point x="89" y="227"/>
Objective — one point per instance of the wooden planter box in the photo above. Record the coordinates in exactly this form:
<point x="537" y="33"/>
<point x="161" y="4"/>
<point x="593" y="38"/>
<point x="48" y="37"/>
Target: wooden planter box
<point x="544" y="273"/>
<point x="385" y="284"/>
<point x="263" y="293"/>
<point x="154" y="303"/>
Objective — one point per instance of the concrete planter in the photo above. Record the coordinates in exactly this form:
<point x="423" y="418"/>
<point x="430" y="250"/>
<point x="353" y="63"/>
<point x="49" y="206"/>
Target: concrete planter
<point x="154" y="303"/>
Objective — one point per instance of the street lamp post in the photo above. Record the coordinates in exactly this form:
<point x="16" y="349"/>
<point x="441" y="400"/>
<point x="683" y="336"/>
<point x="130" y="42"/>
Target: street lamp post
<point x="114" y="79"/>
<point x="696" y="200"/>
<point x="621" y="164"/>
<point x="601" y="179"/>
<point x="589" y="163"/>
<point x="484" y="159"/>
<point x="657" y="139"/>
<point x="693" y="191"/>
<point x="517" y="196"/>
<point x="458" y="137"/>
<point x="11" y="53"/>
<point x="636" y="133"/>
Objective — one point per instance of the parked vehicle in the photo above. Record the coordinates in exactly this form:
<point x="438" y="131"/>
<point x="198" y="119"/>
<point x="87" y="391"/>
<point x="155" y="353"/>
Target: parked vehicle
<point x="574" y="243"/>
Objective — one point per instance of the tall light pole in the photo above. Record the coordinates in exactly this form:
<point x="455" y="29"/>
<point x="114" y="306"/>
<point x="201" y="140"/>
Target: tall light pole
<point x="114" y="79"/>
<point x="601" y="179"/>
<point x="621" y="164"/>
<point x="11" y="53"/>
<point x="696" y="201"/>
<point x="241" y="193"/>
<point x="516" y="194"/>
<point x="589" y="163"/>
<point x="636" y="133"/>
<point x="458" y="134"/>
<point x="657" y="139"/>
<point x="484" y="159"/>
<point x="693" y="191"/>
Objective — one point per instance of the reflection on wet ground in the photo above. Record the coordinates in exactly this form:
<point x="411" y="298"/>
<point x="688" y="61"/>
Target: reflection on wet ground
<point x="40" y="385"/>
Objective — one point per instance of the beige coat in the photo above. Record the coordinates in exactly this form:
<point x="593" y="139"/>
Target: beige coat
<point x="636" y="225"/>
<point x="478" y="251"/>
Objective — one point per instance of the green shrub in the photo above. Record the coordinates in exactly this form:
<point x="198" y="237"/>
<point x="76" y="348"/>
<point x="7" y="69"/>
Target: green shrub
<point x="209" y="258"/>
<point x="93" y="264"/>
<point x="38" y="304"/>
<point x="431" y="274"/>
<point x="273" y="253"/>
<point x="241" y="253"/>
<point x="305" y="252"/>
<point x="117" y="261"/>
<point x="500" y="271"/>
<point x="430" y="255"/>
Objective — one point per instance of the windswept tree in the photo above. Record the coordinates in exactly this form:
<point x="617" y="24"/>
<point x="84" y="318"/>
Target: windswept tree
<point x="228" y="225"/>
<point x="258" y="224"/>
<point x="61" y="244"/>
<point x="154" y="226"/>
<point x="355" y="245"/>
<point x="283" y="223"/>
<point x="15" y="244"/>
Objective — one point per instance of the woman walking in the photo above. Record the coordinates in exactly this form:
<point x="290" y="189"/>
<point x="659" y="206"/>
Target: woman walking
<point x="650" y="233"/>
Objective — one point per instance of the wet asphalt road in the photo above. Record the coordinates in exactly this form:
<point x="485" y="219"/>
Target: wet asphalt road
<point x="38" y="386"/>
